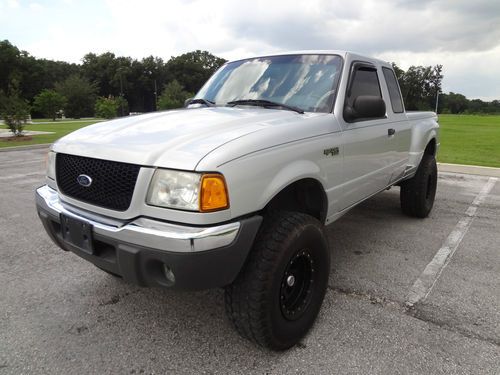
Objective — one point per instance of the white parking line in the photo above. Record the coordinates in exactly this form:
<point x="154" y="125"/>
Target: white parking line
<point x="428" y="278"/>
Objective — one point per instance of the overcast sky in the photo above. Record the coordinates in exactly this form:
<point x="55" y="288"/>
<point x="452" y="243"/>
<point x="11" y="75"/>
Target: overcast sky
<point x="462" y="35"/>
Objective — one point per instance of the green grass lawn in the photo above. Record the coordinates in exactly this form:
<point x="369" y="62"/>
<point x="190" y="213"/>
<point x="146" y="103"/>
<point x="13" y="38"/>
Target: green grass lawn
<point x="60" y="129"/>
<point x="470" y="139"/>
<point x="37" y="120"/>
<point x="465" y="139"/>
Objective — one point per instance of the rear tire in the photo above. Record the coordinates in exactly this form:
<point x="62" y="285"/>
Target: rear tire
<point x="276" y="298"/>
<point x="418" y="193"/>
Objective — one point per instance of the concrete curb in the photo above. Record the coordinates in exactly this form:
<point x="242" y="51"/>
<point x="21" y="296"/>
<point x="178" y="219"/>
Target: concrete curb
<point x="469" y="169"/>
<point x="29" y="147"/>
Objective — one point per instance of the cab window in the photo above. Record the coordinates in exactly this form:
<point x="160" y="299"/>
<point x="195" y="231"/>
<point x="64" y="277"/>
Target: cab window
<point x="393" y="87"/>
<point x="364" y="82"/>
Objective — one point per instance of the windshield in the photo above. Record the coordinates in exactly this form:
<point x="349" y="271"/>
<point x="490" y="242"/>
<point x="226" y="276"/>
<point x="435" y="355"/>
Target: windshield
<point x="307" y="82"/>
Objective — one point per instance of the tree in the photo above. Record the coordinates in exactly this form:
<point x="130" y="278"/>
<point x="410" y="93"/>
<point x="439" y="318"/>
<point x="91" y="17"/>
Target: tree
<point x="398" y="71"/>
<point x="80" y="95"/>
<point x="40" y="74"/>
<point x="10" y="58"/>
<point x="139" y="82"/>
<point x="15" y="112"/>
<point x="173" y="96"/>
<point x="29" y="75"/>
<point x="420" y="85"/>
<point x="107" y="107"/>
<point x="193" y="69"/>
<point x="153" y="77"/>
<point x="434" y="85"/>
<point x="455" y="103"/>
<point x="100" y="69"/>
<point x="123" y="108"/>
<point x="49" y="102"/>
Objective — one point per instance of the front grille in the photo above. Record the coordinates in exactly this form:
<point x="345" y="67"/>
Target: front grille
<point x="112" y="184"/>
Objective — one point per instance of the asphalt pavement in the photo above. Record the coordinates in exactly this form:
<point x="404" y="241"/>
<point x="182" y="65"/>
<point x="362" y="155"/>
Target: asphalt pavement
<point x="61" y="315"/>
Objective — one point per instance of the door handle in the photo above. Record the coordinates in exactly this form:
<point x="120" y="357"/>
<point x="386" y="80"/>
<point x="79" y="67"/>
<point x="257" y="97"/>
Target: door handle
<point x="391" y="132"/>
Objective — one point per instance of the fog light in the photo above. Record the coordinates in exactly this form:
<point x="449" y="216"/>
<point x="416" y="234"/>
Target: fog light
<point x="169" y="274"/>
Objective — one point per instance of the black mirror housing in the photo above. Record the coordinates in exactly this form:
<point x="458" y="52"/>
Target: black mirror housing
<point x="187" y="102"/>
<point x="365" y="107"/>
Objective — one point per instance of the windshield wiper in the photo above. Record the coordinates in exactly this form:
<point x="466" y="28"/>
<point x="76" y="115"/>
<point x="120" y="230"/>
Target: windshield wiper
<point x="208" y="103"/>
<point x="264" y="103"/>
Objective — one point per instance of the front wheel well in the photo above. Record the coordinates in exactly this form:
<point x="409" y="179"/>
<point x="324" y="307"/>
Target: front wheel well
<point x="430" y="149"/>
<point x="306" y="196"/>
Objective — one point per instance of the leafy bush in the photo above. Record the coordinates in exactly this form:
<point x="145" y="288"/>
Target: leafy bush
<point x="110" y="107"/>
<point x="15" y="112"/>
<point x="173" y="96"/>
<point x="49" y="102"/>
<point x="106" y="107"/>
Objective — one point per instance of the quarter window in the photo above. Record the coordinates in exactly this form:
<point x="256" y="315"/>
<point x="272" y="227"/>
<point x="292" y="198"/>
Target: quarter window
<point x="393" y="87"/>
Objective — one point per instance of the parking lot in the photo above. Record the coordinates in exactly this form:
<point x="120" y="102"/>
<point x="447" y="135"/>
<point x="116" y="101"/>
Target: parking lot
<point x="61" y="315"/>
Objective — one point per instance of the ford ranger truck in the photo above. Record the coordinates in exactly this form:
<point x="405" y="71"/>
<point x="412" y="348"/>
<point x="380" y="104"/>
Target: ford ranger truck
<point x="235" y="189"/>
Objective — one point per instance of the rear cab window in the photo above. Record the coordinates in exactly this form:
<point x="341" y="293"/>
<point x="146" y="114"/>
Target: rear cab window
<point x="393" y="88"/>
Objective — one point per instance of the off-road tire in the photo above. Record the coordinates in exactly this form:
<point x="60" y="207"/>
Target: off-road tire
<point x="418" y="193"/>
<point x="261" y="303"/>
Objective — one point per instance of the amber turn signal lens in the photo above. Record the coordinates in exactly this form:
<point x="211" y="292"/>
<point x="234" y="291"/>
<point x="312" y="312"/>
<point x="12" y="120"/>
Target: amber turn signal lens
<point x="213" y="193"/>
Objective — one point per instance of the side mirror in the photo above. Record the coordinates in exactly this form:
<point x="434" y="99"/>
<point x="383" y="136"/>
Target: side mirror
<point x="365" y="107"/>
<point x="187" y="102"/>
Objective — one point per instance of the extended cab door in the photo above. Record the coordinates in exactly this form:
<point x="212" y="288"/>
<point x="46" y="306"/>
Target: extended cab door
<point x="399" y="143"/>
<point x="367" y="141"/>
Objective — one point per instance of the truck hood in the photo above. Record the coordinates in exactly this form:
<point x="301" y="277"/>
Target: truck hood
<point x="173" y="139"/>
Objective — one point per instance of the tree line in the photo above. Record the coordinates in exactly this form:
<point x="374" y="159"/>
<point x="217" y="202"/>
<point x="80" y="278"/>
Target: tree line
<point x="103" y="84"/>
<point x="107" y="85"/>
<point x="421" y="90"/>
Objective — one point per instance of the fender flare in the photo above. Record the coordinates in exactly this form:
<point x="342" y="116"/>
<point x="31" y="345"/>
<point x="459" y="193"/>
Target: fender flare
<point x="291" y="173"/>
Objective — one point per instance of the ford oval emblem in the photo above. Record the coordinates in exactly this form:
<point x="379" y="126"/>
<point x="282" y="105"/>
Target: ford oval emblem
<point x="84" y="180"/>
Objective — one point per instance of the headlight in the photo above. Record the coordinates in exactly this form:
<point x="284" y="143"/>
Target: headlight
<point x="188" y="191"/>
<point x="174" y="189"/>
<point x="51" y="165"/>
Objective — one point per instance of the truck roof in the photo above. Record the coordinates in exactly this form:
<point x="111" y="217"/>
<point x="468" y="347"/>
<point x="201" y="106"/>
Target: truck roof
<point x="342" y="53"/>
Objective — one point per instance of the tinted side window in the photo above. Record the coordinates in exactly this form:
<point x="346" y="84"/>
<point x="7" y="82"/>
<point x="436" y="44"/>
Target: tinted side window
<point x="392" y="85"/>
<point x="365" y="82"/>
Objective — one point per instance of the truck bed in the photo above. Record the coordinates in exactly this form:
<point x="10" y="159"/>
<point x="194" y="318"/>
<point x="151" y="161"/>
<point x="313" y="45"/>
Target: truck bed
<point x="418" y="115"/>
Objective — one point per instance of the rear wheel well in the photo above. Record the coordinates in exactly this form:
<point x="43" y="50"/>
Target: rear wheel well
<point x="306" y="196"/>
<point x="430" y="149"/>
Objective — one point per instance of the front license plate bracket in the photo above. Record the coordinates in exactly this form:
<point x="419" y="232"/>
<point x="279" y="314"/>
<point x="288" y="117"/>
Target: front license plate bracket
<point x="77" y="232"/>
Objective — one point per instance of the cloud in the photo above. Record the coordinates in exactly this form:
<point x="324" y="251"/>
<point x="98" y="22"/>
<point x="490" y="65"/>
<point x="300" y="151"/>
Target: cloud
<point x="461" y="35"/>
<point x="35" y="7"/>
<point x="13" y="3"/>
<point x="368" y="26"/>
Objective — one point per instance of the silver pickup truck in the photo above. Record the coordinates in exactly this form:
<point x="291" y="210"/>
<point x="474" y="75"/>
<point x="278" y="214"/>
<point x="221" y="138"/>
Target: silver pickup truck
<point x="234" y="190"/>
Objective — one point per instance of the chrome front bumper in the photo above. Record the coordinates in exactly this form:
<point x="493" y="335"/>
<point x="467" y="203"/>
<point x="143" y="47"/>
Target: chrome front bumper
<point x="140" y="251"/>
<point x="142" y="231"/>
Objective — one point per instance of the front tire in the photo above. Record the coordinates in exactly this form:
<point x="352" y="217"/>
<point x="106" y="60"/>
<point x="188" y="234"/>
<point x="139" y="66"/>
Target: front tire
<point x="418" y="193"/>
<point x="277" y="296"/>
